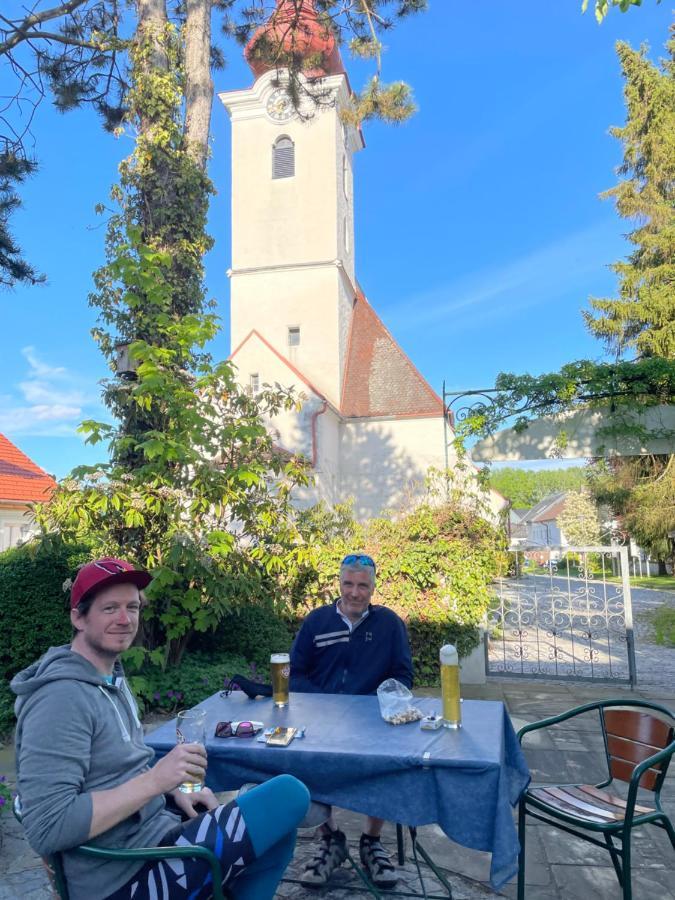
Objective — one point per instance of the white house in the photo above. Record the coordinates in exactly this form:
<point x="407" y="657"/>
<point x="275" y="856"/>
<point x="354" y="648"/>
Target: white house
<point x="370" y="424"/>
<point x="22" y="484"/>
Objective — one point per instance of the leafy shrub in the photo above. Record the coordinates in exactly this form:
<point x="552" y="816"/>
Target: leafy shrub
<point x="253" y="631"/>
<point x="199" y="675"/>
<point x="6" y="709"/>
<point x="5" y="796"/>
<point x="33" y="605"/>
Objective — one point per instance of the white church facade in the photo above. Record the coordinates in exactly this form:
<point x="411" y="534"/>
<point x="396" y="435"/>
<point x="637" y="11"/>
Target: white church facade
<point x="369" y="423"/>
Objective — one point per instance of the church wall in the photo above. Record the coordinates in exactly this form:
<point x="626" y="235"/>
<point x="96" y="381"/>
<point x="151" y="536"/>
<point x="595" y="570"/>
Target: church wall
<point x="270" y="302"/>
<point x="384" y="461"/>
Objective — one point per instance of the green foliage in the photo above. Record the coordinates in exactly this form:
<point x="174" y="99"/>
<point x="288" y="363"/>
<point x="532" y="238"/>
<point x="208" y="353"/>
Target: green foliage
<point x="579" y="519"/>
<point x="14" y="169"/>
<point x="254" y="631"/>
<point x="7" y="699"/>
<point x="5" y="793"/>
<point x="525" y="487"/>
<point x="194" y="491"/>
<point x="642" y="317"/>
<point x="33" y="605"/>
<point x="602" y="7"/>
<point x="199" y="675"/>
<point x="641" y="494"/>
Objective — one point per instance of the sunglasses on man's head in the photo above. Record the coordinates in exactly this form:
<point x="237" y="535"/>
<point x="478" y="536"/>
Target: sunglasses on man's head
<point x="241" y="729"/>
<point x="359" y="558"/>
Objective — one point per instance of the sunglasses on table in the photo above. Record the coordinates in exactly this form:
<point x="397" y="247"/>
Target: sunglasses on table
<point x="361" y="558"/>
<point x="241" y="729"/>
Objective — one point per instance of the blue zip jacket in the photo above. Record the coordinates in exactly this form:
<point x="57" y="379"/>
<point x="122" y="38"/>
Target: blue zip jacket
<point x="327" y="658"/>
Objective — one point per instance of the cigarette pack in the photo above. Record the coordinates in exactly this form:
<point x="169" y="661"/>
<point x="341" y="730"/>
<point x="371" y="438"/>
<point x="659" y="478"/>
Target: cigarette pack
<point x="281" y="737"/>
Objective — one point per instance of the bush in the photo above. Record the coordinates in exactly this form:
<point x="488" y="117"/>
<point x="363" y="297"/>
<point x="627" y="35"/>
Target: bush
<point x="199" y="675"/>
<point x="6" y="709"/>
<point x="33" y="605"/>
<point x="253" y="631"/>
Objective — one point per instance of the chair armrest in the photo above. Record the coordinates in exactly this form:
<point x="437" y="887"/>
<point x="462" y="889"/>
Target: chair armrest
<point x="555" y="720"/>
<point x="639" y="771"/>
<point x="154" y="853"/>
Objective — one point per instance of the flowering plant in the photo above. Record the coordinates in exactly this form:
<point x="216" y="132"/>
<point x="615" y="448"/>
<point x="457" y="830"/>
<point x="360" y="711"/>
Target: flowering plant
<point x="5" y="795"/>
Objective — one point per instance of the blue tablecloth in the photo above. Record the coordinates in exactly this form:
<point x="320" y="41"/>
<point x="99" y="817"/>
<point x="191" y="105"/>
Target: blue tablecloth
<point x="467" y="780"/>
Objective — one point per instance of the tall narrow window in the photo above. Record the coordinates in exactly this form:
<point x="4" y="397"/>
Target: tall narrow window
<point x="294" y="336"/>
<point x="344" y="176"/>
<point x="254" y="382"/>
<point x="283" y="158"/>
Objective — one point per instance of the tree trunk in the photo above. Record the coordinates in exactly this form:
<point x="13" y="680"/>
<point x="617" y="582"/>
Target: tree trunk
<point x="198" y="81"/>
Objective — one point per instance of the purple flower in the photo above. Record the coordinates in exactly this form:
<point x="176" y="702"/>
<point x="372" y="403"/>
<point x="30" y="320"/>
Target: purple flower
<point x="157" y="696"/>
<point x="253" y="667"/>
<point x="2" y="778"/>
<point x="2" y="801"/>
<point x="169" y="693"/>
<point x="179" y="695"/>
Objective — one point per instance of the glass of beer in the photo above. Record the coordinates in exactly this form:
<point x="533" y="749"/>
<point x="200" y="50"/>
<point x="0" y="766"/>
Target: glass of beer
<point x="280" y="665"/>
<point x="452" y="710"/>
<point x="191" y="729"/>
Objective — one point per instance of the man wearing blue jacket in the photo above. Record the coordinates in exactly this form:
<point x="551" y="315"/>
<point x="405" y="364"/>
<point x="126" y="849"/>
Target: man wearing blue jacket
<point x="351" y="647"/>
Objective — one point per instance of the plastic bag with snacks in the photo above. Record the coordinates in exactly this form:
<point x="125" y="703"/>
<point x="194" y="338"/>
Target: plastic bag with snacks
<point x="396" y="703"/>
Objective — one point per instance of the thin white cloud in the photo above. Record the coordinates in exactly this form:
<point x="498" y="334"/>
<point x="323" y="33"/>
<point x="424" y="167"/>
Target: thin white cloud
<point x="535" y="279"/>
<point x="48" y="401"/>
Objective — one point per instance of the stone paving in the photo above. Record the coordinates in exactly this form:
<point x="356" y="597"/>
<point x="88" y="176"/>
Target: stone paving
<point x="559" y="867"/>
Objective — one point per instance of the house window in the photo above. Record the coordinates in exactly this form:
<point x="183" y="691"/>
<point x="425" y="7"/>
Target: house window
<point x="254" y="382"/>
<point x="294" y="336"/>
<point x="344" y="176"/>
<point x="283" y="158"/>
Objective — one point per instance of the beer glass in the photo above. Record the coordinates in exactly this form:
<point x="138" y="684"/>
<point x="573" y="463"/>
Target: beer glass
<point x="191" y="729"/>
<point x="280" y="665"/>
<point x="452" y="710"/>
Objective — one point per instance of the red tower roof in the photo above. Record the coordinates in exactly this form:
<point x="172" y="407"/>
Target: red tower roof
<point x="294" y="29"/>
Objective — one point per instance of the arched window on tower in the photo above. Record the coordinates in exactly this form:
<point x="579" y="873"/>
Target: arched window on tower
<point x="283" y="157"/>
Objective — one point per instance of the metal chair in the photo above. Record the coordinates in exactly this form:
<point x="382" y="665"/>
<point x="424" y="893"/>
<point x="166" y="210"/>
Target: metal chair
<point x="638" y="748"/>
<point x="54" y="862"/>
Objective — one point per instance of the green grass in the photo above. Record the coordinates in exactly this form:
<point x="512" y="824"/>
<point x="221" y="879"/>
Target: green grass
<point x="663" y="622"/>
<point x="656" y="582"/>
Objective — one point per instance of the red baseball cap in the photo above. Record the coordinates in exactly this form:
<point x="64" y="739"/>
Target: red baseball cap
<point x="102" y="572"/>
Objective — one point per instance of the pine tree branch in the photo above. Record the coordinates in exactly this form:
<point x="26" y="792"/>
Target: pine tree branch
<point x="22" y="30"/>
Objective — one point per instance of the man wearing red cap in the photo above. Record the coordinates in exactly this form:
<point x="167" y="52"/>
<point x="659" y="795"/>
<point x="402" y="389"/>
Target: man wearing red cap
<point x="84" y="776"/>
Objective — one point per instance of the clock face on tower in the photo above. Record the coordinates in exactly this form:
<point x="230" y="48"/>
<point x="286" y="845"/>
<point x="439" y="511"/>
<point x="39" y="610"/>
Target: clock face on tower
<point x="279" y="106"/>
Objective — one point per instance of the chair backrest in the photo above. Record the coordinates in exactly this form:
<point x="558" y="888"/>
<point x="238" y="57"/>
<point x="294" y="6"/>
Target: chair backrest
<point x="633" y="736"/>
<point x="53" y="864"/>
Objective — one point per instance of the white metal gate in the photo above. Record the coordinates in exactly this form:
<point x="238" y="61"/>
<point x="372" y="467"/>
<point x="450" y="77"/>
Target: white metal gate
<point x="563" y="613"/>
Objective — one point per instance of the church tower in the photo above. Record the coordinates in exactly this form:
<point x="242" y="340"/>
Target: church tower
<point x="292" y="277"/>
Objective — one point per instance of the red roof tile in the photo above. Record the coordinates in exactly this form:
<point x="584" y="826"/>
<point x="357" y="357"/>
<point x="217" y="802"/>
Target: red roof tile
<point x="379" y="378"/>
<point x="20" y="479"/>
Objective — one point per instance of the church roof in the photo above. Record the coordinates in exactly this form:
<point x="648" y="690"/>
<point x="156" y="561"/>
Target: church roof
<point x="294" y="30"/>
<point x="20" y="479"/>
<point x="379" y="378"/>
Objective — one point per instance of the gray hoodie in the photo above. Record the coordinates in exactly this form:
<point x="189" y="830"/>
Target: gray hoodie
<point x="76" y="734"/>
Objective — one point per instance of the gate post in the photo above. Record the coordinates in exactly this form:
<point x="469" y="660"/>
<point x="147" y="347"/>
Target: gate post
<point x="628" y="616"/>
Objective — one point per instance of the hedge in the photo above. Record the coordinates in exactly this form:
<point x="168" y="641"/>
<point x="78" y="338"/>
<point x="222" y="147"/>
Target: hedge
<point x="33" y="604"/>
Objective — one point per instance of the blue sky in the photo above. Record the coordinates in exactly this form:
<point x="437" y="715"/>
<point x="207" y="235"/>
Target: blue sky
<point x="479" y="232"/>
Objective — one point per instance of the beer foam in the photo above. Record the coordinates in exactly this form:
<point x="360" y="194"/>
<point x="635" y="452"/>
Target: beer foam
<point x="280" y="658"/>
<point x="449" y="656"/>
